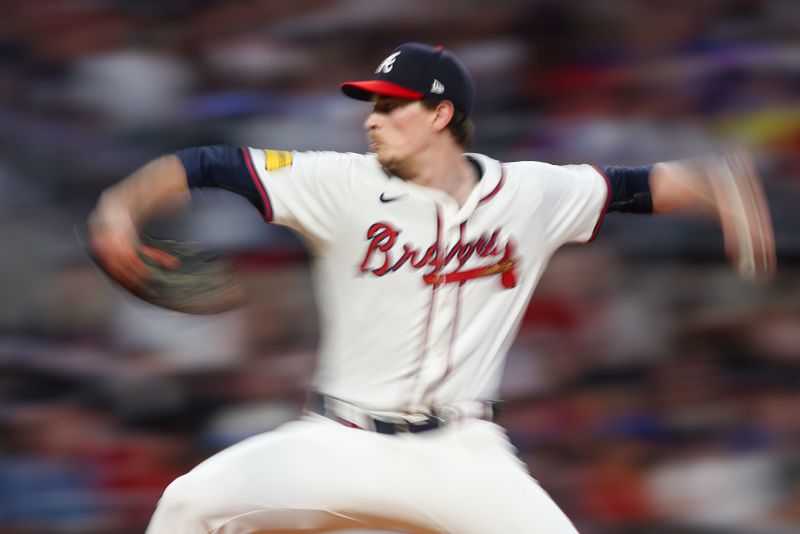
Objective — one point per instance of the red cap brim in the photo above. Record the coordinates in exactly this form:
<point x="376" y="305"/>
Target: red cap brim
<point x="365" y="90"/>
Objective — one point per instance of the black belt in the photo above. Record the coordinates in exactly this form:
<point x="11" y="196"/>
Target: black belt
<point x="420" y="423"/>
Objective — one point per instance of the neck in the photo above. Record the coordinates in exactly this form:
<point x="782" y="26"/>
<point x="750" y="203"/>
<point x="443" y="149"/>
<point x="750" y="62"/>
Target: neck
<point x="441" y="167"/>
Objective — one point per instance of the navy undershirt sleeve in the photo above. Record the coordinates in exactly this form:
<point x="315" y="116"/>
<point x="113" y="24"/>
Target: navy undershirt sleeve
<point x="220" y="166"/>
<point x="630" y="188"/>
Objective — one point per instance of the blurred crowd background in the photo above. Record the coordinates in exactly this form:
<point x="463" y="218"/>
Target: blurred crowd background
<point x="649" y="391"/>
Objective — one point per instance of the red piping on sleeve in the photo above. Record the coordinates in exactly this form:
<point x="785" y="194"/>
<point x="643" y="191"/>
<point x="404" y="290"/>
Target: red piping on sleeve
<point x="605" y="205"/>
<point x="259" y="186"/>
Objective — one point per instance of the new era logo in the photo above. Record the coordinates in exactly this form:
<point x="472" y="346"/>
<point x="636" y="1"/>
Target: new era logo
<point x="437" y="87"/>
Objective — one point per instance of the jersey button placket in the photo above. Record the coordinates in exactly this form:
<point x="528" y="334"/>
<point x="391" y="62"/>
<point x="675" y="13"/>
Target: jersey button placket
<point x="434" y="365"/>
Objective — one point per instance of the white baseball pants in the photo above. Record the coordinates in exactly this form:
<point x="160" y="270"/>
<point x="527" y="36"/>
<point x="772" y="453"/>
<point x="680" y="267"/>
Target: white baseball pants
<point x="315" y="475"/>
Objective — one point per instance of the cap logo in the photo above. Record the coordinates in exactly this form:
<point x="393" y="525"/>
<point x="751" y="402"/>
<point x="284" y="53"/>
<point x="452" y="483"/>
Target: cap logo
<point x="387" y="64"/>
<point x="437" y="87"/>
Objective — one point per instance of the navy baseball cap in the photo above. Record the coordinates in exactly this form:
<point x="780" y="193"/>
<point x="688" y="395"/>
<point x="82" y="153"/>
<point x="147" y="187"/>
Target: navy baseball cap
<point x="418" y="71"/>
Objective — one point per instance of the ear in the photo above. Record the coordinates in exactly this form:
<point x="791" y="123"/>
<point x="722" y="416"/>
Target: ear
<point x="443" y="114"/>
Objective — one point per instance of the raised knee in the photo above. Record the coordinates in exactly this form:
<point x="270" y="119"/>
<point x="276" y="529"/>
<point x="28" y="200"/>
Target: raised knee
<point x="187" y="502"/>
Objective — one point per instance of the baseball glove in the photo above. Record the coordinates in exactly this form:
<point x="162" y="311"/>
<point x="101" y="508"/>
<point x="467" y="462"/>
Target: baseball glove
<point x="180" y="276"/>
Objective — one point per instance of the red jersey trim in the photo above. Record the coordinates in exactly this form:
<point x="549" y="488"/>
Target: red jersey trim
<point x="263" y="192"/>
<point x="497" y="187"/>
<point x="431" y="307"/>
<point x="605" y="205"/>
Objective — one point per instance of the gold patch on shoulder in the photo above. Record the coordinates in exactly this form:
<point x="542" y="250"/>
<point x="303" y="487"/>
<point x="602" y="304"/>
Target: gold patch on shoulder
<point x="275" y="159"/>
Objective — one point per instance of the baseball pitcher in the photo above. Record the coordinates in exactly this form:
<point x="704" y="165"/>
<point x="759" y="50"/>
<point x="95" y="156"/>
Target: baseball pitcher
<point x="425" y="258"/>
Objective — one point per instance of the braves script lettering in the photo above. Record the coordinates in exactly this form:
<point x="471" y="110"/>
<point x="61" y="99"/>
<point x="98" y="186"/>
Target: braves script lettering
<point x="381" y="248"/>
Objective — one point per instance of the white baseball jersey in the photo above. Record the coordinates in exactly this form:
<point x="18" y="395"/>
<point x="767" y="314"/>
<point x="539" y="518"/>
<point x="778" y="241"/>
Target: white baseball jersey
<point x="419" y="297"/>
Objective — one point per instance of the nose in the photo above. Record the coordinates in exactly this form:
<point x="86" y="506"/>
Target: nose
<point x="371" y="121"/>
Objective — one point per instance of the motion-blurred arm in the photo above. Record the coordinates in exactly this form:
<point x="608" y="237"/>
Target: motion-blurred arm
<point x="158" y="188"/>
<point x="727" y="188"/>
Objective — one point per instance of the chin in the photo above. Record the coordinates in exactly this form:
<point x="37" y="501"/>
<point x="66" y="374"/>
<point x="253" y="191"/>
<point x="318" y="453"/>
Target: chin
<point x="385" y="161"/>
<point x="391" y="162"/>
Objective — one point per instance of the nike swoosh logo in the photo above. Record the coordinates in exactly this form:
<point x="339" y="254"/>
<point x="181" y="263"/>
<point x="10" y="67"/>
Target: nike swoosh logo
<point x="392" y="199"/>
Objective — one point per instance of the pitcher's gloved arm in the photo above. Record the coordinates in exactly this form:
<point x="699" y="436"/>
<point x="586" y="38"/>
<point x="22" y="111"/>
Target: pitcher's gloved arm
<point x="156" y="189"/>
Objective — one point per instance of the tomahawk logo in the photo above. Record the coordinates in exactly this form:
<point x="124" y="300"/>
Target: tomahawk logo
<point x="387" y="64"/>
